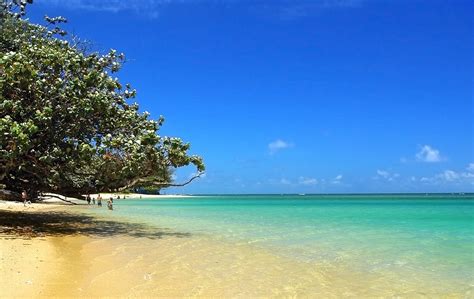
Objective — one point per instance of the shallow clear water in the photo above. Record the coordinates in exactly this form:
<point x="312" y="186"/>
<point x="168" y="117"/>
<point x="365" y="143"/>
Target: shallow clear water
<point x="411" y="237"/>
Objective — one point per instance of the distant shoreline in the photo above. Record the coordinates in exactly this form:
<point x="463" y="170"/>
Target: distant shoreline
<point x="51" y="201"/>
<point x="139" y="196"/>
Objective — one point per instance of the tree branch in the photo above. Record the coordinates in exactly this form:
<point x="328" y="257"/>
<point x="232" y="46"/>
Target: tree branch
<point x="160" y="184"/>
<point x="163" y="184"/>
<point x="58" y="197"/>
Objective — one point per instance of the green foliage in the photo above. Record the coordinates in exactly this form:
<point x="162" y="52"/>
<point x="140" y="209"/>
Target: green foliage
<point x="149" y="190"/>
<point x="67" y="124"/>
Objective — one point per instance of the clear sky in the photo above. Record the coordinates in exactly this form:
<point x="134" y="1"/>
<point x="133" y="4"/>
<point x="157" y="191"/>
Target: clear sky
<point x="300" y="96"/>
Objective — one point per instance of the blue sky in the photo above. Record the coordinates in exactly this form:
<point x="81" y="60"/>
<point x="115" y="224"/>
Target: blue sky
<point x="300" y="96"/>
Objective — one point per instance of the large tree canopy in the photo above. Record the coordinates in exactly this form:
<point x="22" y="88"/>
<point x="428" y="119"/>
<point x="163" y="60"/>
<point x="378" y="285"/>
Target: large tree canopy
<point x="67" y="125"/>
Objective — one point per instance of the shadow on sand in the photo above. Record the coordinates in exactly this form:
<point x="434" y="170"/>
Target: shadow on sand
<point x="39" y="224"/>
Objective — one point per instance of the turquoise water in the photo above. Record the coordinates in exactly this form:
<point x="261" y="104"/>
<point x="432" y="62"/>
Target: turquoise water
<point x="410" y="237"/>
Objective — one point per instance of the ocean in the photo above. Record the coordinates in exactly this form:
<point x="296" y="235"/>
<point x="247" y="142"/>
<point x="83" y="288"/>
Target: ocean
<point x="392" y="245"/>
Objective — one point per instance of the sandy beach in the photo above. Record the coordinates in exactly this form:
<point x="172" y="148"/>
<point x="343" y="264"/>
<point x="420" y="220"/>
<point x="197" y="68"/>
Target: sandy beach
<point x="53" y="250"/>
<point x="56" y="250"/>
<point x="54" y="199"/>
<point x="141" y="196"/>
<point x="320" y="149"/>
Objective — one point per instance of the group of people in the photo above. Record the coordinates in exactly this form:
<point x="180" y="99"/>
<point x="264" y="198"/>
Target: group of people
<point x="110" y="201"/>
<point x="89" y="199"/>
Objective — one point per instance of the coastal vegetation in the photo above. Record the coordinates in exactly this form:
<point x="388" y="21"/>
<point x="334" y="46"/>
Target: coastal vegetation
<point x="67" y="124"/>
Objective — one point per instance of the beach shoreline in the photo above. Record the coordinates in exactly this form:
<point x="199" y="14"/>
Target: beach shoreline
<point x="71" y="254"/>
<point x="115" y="195"/>
<point x="51" y="200"/>
<point x="56" y="249"/>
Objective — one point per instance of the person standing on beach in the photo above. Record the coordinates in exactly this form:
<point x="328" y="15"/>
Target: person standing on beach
<point x="24" y="196"/>
<point x="88" y="198"/>
<point x="99" y="200"/>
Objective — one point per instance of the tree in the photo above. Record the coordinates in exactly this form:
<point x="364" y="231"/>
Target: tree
<point x="66" y="124"/>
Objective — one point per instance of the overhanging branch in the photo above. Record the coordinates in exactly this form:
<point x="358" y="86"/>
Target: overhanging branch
<point x="163" y="184"/>
<point x="59" y="197"/>
<point x="159" y="184"/>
